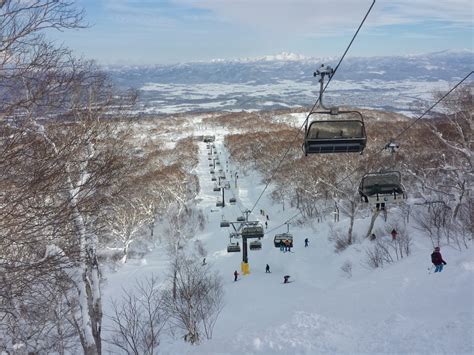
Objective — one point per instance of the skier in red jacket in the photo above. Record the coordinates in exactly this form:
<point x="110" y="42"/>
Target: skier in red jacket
<point x="437" y="260"/>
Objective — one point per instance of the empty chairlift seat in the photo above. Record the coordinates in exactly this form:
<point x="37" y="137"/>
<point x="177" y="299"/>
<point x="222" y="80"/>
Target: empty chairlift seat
<point x="280" y="239"/>
<point x="232" y="200"/>
<point x="208" y="139"/>
<point x="382" y="187"/>
<point x="219" y="203"/>
<point x="343" y="133"/>
<point x="233" y="248"/>
<point x="225" y="223"/>
<point x="241" y="219"/>
<point x="216" y="187"/>
<point x="252" y="231"/>
<point x="255" y="245"/>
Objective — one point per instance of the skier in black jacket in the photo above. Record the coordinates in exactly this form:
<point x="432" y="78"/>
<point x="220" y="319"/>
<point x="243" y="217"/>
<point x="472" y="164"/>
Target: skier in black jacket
<point x="437" y="260"/>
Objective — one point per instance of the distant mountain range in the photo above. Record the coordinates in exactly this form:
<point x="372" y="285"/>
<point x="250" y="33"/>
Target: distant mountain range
<point x="286" y="80"/>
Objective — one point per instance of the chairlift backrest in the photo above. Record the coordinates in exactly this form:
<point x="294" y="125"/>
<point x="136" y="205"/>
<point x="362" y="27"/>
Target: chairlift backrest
<point x="233" y="248"/>
<point x="383" y="182"/>
<point x="280" y="238"/>
<point x="344" y="132"/>
<point x="255" y="245"/>
<point x="252" y="231"/>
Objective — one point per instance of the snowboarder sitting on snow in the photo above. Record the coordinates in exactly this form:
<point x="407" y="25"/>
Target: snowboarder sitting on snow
<point x="235" y="275"/>
<point x="285" y="279"/>
<point x="437" y="260"/>
<point x="267" y="268"/>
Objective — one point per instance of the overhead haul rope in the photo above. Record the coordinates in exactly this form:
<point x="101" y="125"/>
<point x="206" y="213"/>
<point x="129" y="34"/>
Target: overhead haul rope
<point x="396" y="138"/>
<point x="314" y="106"/>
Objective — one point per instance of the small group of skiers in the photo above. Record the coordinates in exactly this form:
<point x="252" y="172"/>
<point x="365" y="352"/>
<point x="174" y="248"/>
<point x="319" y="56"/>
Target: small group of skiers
<point x="267" y="271"/>
<point x="286" y="245"/>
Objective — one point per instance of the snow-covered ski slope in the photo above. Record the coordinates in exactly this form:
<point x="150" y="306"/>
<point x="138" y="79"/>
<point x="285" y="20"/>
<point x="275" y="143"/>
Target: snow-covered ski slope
<point x="400" y="309"/>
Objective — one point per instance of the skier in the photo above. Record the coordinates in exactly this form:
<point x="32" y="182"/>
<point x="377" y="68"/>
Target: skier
<point x="306" y="241"/>
<point x="268" y="218"/>
<point x="203" y="261"/>
<point x="437" y="260"/>
<point x="266" y="224"/>
<point x="267" y="269"/>
<point x="372" y="236"/>
<point x="394" y="234"/>
<point x="235" y="275"/>
<point x="285" y="279"/>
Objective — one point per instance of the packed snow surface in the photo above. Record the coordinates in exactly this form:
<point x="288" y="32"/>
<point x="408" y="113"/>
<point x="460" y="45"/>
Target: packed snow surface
<point x="400" y="309"/>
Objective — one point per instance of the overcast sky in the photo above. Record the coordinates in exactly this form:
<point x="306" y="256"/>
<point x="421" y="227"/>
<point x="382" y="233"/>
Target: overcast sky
<point x="171" y="31"/>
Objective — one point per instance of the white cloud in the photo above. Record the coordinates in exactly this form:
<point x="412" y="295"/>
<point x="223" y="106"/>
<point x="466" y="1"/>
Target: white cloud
<point x="320" y="16"/>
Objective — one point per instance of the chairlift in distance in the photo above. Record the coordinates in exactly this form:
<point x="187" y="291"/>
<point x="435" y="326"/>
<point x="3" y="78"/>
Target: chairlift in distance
<point x="212" y="171"/>
<point x="392" y="146"/>
<point x="233" y="200"/>
<point x="216" y="187"/>
<point x="279" y="239"/>
<point x="208" y="139"/>
<point x="343" y="132"/>
<point x="241" y="219"/>
<point x="233" y="247"/>
<point x="225" y="223"/>
<point x="255" y="245"/>
<point x="213" y="178"/>
<point x="252" y="230"/>
<point x="380" y="188"/>
<point x="219" y="203"/>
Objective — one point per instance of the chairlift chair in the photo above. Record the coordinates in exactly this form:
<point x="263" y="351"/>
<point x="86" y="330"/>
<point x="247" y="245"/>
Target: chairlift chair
<point x="255" y="245"/>
<point x="217" y="188"/>
<point x="253" y="231"/>
<point x="219" y="203"/>
<point x="381" y="188"/>
<point x="225" y="223"/>
<point x="241" y="219"/>
<point x="218" y="162"/>
<point x="213" y="178"/>
<point x="336" y="135"/>
<point x="232" y="200"/>
<point x="280" y="238"/>
<point x="233" y="248"/>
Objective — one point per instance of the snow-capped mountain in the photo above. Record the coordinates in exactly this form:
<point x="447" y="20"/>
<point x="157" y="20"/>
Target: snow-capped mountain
<point x="286" y="80"/>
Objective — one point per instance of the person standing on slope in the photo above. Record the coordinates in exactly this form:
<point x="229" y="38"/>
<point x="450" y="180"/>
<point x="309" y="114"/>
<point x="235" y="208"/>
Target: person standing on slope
<point x="267" y="269"/>
<point x="306" y="241"/>
<point x="437" y="260"/>
<point x="235" y="275"/>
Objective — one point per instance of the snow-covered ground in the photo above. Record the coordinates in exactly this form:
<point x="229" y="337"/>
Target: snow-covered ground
<point x="400" y="309"/>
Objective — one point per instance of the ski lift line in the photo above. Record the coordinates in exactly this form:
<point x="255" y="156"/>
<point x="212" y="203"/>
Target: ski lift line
<point x="315" y="105"/>
<point x="415" y="121"/>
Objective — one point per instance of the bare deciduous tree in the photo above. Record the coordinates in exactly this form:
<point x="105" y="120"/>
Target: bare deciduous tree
<point x="139" y="318"/>
<point x="197" y="300"/>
